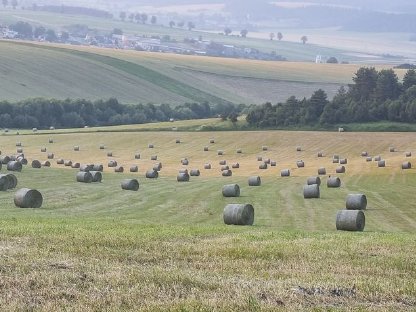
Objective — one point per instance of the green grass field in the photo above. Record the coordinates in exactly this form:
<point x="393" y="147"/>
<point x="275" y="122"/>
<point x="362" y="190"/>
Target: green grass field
<point x="165" y="247"/>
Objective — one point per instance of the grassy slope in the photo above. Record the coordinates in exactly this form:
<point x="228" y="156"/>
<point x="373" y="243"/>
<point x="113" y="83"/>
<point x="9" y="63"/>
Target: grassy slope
<point x="165" y="247"/>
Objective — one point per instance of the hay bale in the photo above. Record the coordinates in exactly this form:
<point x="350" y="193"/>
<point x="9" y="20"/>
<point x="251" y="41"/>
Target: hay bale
<point x="285" y="173"/>
<point x="377" y="158"/>
<point x="195" y="173"/>
<point x="381" y="163"/>
<point x="406" y="165"/>
<point x="22" y="160"/>
<point x="28" y="198"/>
<point x="152" y="174"/>
<point x="343" y="161"/>
<point x="259" y="158"/>
<point x="335" y="156"/>
<point x="178" y="141"/>
<point x="356" y="202"/>
<point x="185" y="162"/>
<point x="205" y="148"/>
<point x="76" y="148"/>
<point x="392" y="149"/>
<point x="97" y="167"/>
<point x="4" y="182"/>
<point x="266" y="161"/>
<point x="254" y="181"/>
<point x="340" y="169"/>
<point x="223" y="168"/>
<point x="157" y="167"/>
<point x="212" y="141"/>
<point x="300" y="164"/>
<point x="239" y="151"/>
<point x="36" y="164"/>
<point x="321" y="171"/>
<point x="220" y="152"/>
<point x="43" y="150"/>
<point x="109" y="154"/>
<point x="273" y="163"/>
<point x="150" y="146"/>
<point x="134" y="168"/>
<point x="183" y="170"/>
<point x="231" y="190"/>
<point x="350" y="220"/>
<point x="227" y="173"/>
<point x="335" y="160"/>
<point x="263" y="166"/>
<point x="130" y="185"/>
<point x="112" y="163"/>
<point x="97" y="176"/>
<point x="182" y="177"/>
<point x="19" y="150"/>
<point x="50" y="141"/>
<point x="207" y="166"/>
<point x="364" y="154"/>
<point x="320" y="154"/>
<point x="136" y="156"/>
<point x="223" y="162"/>
<point x="102" y="146"/>
<point x="235" y="166"/>
<point x="311" y="191"/>
<point x="369" y="158"/>
<point x="313" y="180"/>
<point x="298" y="148"/>
<point x="238" y="214"/>
<point x="76" y="165"/>
<point x="14" y="166"/>
<point x="51" y="155"/>
<point x="333" y="182"/>
<point x="68" y="163"/>
<point x="4" y="159"/>
<point x="46" y="163"/>
<point x="86" y="167"/>
<point x="18" y="144"/>
<point x="119" y="169"/>
<point x="154" y="157"/>
<point x="408" y="154"/>
<point x="60" y="161"/>
<point x="84" y="177"/>
<point x="264" y="148"/>
<point x="12" y="180"/>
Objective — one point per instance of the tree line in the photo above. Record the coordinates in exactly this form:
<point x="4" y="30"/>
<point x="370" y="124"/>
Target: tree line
<point x="373" y="96"/>
<point x="44" y="113"/>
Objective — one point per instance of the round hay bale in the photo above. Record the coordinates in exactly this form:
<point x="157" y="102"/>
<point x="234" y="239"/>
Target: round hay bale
<point x="313" y="180"/>
<point x="335" y="160"/>
<point x="227" y="173"/>
<point x="207" y="166"/>
<point x="13" y="157"/>
<point x="195" y="173"/>
<point x="321" y="171"/>
<point x="333" y="182"/>
<point x="76" y="165"/>
<point x="182" y="177"/>
<point x="298" y="148"/>
<point x="263" y="166"/>
<point x="335" y="156"/>
<point x="43" y="150"/>
<point x="212" y="141"/>
<point x="86" y="167"/>
<point x="356" y="202"/>
<point x="320" y="154"/>
<point x="178" y="141"/>
<point x="392" y="149"/>
<point x="130" y="185"/>
<point x="235" y="166"/>
<point x="183" y="171"/>
<point x="238" y="214"/>
<point x="273" y="163"/>
<point x="4" y="159"/>
<point x="97" y="167"/>
<point x="406" y="165"/>
<point x="50" y="141"/>
<point x="102" y="146"/>
<point x="311" y="191"/>
<point x="60" y="161"/>
<point x="18" y="144"/>
<point x="150" y="146"/>
<point x="76" y="148"/>
<point x="4" y="182"/>
<point x="205" y="148"/>
<point x="220" y="152"/>
<point x="343" y="161"/>
<point x="152" y="174"/>
<point x="68" y="163"/>
<point x="408" y="154"/>
<point x="21" y="160"/>
<point x="36" y="164"/>
<point x="157" y="167"/>
<point x="254" y="181"/>
<point x="119" y="169"/>
<point x="340" y="169"/>
<point x="264" y="148"/>
<point x="223" y="162"/>
<point x="350" y="220"/>
<point x="185" y="162"/>
<point x="154" y="157"/>
<point x="226" y="167"/>
<point x="300" y="164"/>
<point x="112" y="163"/>
<point x="28" y="198"/>
<point x="97" y="176"/>
<point x="136" y="156"/>
<point x="14" y="166"/>
<point x="109" y="154"/>
<point x="19" y="150"/>
<point x="50" y="155"/>
<point x="266" y="161"/>
<point x="12" y="180"/>
<point x="231" y="190"/>
<point x="364" y="154"/>
<point x="369" y="158"/>
<point x="46" y="163"/>
<point x="134" y="168"/>
<point x="259" y="158"/>
<point x="239" y="151"/>
<point x="84" y="177"/>
<point x="377" y="158"/>
<point x="285" y="173"/>
<point x="381" y="163"/>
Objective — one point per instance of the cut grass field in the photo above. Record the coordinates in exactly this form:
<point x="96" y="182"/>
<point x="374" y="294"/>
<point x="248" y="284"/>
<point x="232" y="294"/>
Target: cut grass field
<point x="165" y="247"/>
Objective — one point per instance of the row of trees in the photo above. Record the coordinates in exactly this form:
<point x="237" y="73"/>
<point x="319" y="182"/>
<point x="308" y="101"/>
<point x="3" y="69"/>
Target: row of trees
<point x="43" y="113"/>
<point x="373" y="96"/>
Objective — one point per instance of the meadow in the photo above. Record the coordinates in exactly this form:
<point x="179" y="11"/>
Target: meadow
<point x="165" y="247"/>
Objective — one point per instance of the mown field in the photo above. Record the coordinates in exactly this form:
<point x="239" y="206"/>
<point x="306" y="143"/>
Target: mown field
<point x="40" y="70"/>
<point x="165" y="247"/>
